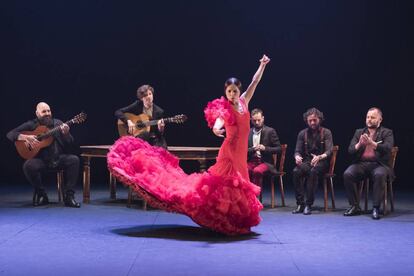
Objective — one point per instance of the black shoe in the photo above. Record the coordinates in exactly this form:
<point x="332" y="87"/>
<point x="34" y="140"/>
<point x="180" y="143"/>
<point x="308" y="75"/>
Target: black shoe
<point x="307" y="210"/>
<point x="40" y="198"/>
<point x="375" y="213"/>
<point x="69" y="200"/>
<point x="353" y="211"/>
<point x="299" y="209"/>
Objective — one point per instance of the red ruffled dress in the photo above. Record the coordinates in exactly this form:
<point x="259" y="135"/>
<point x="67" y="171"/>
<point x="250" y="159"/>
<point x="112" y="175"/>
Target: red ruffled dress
<point x="222" y="199"/>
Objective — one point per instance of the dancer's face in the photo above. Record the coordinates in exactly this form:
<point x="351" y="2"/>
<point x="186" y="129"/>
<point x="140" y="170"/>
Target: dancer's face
<point x="233" y="93"/>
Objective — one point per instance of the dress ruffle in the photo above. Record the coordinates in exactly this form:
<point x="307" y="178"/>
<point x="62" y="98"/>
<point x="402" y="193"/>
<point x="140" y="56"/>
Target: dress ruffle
<point x="219" y="108"/>
<point x="226" y="204"/>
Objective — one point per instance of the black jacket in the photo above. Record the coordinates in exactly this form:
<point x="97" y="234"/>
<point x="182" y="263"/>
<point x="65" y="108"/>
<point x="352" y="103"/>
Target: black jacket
<point x="155" y="137"/>
<point x="61" y="144"/>
<point x="270" y="140"/>
<point x="383" y="150"/>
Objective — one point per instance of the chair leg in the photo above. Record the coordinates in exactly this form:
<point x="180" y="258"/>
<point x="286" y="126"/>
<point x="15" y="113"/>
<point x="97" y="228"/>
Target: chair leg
<point x="282" y="190"/>
<point x="361" y="190"/>
<point x="34" y="196"/>
<point x="261" y="194"/>
<point x="385" y="199"/>
<point x="332" y="193"/>
<point x="272" y="192"/>
<point x="366" y="194"/>
<point x="325" y="194"/>
<point x="131" y="198"/>
<point x="129" y="201"/>
<point x="59" y="185"/>
<point x="391" y="193"/>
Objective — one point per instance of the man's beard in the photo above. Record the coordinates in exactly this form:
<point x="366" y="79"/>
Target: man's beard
<point x="257" y="128"/>
<point x="46" y="121"/>
<point x="315" y="127"/>
<point x="373" y="126"/>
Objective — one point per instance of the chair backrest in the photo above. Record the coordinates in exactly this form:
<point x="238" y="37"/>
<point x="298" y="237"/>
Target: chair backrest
<point x="282" y="158"/>
<point x="333" y="159"/>
<point x="394" y="152"/>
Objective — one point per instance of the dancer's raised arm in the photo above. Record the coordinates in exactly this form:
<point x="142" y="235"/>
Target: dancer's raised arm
<point x="248" y="94"/>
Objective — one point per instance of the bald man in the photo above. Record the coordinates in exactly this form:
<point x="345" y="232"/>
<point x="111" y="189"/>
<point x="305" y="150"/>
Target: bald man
<point x="53" y="156"/>
<point x="371" y="150"/>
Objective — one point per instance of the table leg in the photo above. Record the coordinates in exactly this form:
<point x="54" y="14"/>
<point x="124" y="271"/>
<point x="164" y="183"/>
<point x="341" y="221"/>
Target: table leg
<point x="86" y="178"/>
<point x="203" y="165"/>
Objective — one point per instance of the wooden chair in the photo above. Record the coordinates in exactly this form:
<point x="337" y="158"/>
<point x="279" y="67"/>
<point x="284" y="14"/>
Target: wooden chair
<point x="279" y="174"/>
<point x="131" y="196"/>
<point x="328" y="177"/>
<point x="388" y="189"/>
<point x="59" y="181"/>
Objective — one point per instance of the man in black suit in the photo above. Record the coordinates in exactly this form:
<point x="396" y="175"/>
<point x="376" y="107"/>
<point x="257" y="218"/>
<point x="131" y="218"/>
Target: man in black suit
<point x="371" y="150"/>
<point x="313" y="149"/>
<point x="263" y="143"/>
<point x="54" y="156"/>
<point x="145" y="105"/>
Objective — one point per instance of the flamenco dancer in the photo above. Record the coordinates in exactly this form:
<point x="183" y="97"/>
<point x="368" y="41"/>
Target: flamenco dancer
<point x="222" y="199"/>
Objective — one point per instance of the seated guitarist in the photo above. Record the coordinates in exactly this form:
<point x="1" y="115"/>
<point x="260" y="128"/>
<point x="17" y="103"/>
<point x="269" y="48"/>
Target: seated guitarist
<point x="50" y="157"/>
<point x="145" y="105"/>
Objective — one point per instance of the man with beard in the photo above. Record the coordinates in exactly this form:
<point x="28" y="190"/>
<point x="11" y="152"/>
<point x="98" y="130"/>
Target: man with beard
<point x="313" y="148"/>
<point x="50" y="157"/>
<point x="263" y="143"/>
<point x="145" y="105"/>
<point x="371" y="150"/>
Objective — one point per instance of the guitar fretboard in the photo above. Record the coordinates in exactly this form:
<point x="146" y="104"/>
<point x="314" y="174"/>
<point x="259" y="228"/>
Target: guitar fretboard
<point x="53" y="130"/>
<point x="154" y="122"/>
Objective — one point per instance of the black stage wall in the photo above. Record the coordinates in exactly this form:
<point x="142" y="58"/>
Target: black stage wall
<point x="340" y="56"/>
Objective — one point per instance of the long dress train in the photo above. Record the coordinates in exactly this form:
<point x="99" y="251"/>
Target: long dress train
<point x="222" y="199"/>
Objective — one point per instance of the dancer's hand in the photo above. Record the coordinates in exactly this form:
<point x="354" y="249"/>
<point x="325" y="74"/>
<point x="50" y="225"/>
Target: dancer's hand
<point x="218" y="132"/>
<point x="218" y="128"/>
<point x="264" y="60"/>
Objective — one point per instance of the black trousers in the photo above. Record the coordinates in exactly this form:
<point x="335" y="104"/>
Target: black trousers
<point x="33" y="169"/>
<point x="312" y="176"/>
<point x="355" y="173"/>
<point x="153" y="139"/>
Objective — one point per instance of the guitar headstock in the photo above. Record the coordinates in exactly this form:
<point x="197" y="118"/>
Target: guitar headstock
<point x="179" y="119"/>
<point x="80" y="118"/>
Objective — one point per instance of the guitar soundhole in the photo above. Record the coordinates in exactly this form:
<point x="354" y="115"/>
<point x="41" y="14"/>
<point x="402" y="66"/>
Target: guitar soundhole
<point x="140" y="125"/>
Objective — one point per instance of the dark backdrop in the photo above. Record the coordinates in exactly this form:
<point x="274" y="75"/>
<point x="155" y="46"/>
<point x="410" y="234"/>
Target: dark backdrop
<point x="340" y="56"/>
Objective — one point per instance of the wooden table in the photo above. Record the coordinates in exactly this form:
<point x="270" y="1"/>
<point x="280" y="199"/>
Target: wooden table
<point x="201" y="154"/>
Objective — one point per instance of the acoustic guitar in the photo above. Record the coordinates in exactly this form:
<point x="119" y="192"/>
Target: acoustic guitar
<point x="143" y="123"/>
<point x="45" y="137"/>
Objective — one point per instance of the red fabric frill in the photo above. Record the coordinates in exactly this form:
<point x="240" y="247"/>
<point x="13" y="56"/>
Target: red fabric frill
<point x="226" y="204"/>
<point x="219" y="108"/>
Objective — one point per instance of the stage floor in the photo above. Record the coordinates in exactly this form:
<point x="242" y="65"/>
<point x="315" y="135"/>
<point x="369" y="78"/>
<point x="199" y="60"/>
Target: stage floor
<point x="106" y="238"/>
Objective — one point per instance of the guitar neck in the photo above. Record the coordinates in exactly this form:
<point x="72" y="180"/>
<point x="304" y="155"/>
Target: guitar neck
<point x="154" y="122"/>
<point x="54" y="130"/>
